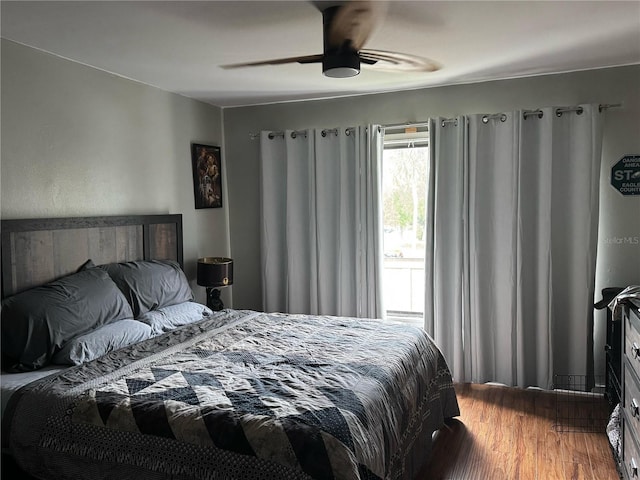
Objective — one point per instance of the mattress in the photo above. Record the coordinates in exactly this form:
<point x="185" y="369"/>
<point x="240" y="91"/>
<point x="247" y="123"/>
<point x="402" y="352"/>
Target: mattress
<point x="241" y="395"/>
<point x="12" y="382"/>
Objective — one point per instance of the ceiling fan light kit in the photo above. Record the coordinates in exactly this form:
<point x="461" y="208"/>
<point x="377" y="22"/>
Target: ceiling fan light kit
<point x="341" y="64"/>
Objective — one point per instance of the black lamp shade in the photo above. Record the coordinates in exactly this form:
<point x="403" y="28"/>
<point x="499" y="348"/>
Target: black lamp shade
<point x="214" y="272"/>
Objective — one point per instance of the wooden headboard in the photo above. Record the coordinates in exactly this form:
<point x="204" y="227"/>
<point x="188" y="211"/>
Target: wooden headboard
<point x="37" y="251"/>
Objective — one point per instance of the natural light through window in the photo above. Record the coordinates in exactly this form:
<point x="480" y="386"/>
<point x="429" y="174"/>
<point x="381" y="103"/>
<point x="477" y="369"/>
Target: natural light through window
<point x="404" y="174"/>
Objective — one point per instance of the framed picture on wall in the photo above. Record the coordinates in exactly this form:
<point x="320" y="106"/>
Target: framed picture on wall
<point x="207" y="179"/>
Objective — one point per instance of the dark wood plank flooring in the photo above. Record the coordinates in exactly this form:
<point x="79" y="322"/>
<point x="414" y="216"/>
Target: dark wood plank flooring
<point x="513" y="434"/>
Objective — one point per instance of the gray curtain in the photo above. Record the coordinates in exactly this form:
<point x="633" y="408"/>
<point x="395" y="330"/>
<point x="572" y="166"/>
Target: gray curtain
<point x="511" y="257"/>
<point x="321" y="222"/>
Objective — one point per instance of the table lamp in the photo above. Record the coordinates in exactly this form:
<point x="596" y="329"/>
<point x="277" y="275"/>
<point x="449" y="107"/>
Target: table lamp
<point x="213" y="273"/>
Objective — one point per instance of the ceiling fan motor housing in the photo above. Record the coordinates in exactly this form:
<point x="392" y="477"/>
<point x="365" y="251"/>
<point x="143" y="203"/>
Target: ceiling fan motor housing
<point x="339" y="61"/>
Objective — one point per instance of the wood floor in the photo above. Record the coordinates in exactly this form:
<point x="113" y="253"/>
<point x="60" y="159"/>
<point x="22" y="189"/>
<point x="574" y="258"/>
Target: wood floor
<point x="514" y="434"/>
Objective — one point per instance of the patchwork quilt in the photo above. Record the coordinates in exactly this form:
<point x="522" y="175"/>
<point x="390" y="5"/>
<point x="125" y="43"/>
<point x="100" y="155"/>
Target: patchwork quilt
<point x="240" y="395"/>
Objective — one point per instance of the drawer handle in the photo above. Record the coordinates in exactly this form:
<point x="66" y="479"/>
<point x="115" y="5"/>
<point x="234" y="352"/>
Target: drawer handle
<point x="635" y="349"/>
<point x="633" y="468"/>
<point x="635" y="408"/>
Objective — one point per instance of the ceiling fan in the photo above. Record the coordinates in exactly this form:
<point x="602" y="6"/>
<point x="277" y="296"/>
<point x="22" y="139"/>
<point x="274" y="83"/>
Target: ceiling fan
<point x="346" y="28"/>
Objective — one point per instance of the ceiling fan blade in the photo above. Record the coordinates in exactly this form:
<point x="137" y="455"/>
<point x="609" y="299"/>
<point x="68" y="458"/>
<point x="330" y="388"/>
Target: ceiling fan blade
<point x="346" y="27"/>
<point x="277" y="61"/>
<point x="354" y="22"/>
<point x="394" y="61"/>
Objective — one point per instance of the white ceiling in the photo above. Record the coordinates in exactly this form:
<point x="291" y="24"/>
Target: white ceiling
<point x="179" y="46"/>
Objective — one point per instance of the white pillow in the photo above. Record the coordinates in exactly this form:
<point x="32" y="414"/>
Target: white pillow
<point x="169" y="318"/>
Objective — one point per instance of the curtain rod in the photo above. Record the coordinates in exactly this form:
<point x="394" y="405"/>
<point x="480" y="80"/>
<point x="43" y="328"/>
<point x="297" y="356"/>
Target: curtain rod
<point x="526" y="113"/>
<point x="605" y="106"/>
<point x="336" y="131"/>
<point x="502" y="116"/>
<point x="577" y="109"/>
<point x="538" y="112"/>
<point x="294" y="134"/>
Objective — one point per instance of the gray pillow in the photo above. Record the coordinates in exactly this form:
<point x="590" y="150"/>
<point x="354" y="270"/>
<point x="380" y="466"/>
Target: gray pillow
<point x="174" y="316"/>
<point x="150" y="284"/>
<point x="102" y="340"/>
<point x="38" y="322"/>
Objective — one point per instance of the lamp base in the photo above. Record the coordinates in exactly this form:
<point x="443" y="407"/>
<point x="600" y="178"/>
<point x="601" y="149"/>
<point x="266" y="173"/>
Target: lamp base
<point x="214" y="302"/>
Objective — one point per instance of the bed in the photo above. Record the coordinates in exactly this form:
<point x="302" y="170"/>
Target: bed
<point x="187" y="393"/>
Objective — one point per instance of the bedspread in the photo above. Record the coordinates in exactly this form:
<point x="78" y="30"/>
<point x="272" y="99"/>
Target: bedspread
<point x="242" y="394"/>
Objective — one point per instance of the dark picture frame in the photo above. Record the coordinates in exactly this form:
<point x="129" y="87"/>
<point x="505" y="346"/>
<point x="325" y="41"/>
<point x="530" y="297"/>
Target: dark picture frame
<point x="207" y="175"/>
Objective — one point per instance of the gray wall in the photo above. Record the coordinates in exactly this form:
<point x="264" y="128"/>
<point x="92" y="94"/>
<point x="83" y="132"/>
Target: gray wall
<point x="77" y="141"/>
<point x="617" y="263"/>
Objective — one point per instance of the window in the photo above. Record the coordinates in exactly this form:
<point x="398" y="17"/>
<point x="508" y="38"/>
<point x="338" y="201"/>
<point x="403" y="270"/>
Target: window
<point x="404" y="182"/>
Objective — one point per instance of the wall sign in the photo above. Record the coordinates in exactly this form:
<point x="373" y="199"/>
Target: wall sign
<point x="625" y="175"/>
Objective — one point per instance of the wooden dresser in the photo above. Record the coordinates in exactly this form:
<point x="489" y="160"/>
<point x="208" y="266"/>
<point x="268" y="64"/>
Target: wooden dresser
<point x="631" y="393"/>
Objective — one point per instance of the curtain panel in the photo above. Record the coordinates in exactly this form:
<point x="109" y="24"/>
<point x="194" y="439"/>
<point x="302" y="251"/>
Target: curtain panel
<point x="447" y="242"/>
<point x="321" y="220"/>
<point x="510" y="266"/>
